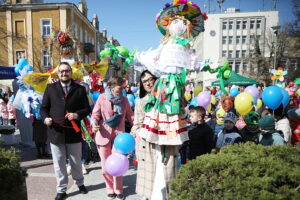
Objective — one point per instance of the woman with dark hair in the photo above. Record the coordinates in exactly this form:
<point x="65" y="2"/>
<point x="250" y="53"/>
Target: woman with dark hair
<point x="144" y="149"/>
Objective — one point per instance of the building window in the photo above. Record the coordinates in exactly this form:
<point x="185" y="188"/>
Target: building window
<point x="252" y="39"/>
<point x="244" y="24"/>
<point x="230" y="25"/>
<point x="46" y="60"/>
<point x="252" y="22"/>
<point x="229" y="54"/>
<point x="224" y="39"/>
<point x="46" y="27"/>
<point x="81" y="35"/>
<point x="224" y="54"/>
<point x="245" y="64"/>
<point x="19" y="28"/>
<point x="20" y="54"/>
<point x="224" y="26"/>
<point x="244" y="39"/>
<point x="237" y="54"/>
<point x="230" y="39"/>
<point x="230" y="63"/>
<point x="258" y="37"/>
<point x="238" y="39"/>
<point x="18" y="1"/>
<point x="237" y="66"/>
<point x="258" y="24"/>
<point x="75" y="30"/>
<point x="238" y="25"/>
<point x="243" y="53"/>
<point x="251" y="52"/>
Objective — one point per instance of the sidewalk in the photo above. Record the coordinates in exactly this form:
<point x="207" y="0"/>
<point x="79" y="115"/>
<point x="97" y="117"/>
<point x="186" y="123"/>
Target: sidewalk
<point x="41" y="180"/>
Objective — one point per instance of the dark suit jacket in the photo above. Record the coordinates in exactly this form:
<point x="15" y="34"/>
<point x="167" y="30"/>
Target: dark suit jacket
<point x="56" y="106"/>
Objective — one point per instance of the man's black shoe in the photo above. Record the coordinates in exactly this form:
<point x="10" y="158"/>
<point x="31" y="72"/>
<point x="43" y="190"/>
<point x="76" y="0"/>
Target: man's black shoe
<point x="82" y="189"/>
<point x="61" y="196"/>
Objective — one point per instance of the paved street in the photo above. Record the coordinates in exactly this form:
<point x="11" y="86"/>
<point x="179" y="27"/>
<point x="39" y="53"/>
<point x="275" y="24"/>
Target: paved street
<point x="41" y="180"/>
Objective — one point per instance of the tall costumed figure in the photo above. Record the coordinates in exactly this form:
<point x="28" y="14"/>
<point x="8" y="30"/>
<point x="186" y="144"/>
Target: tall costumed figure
<point x="164" y="129"/>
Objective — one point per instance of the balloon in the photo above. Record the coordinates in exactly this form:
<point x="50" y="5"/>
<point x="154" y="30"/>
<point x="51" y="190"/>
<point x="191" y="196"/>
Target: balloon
<point x="272" y="97"/>
<point x="116" y="164"/>
<point x="219" y="93"/>
<point x="135" y="89"/>
<point x="187" y="96"/>
<point x="253" y="91"/>
<point x="291" y="84"/>
<point x="124" y="93"/>
<point x="204" y="99"/>
<point x="197" y="90"/>
<point x="213" y="99"/>
<point x="123" y="51"/>
<point x="286" y="97"/>
<point x="234" y="92"/>
<point x="22" y="62"/>
<point x="194" y="102"/>
<point x="208" y="108"/>
<point x="188" y="89"/>
<point x="124" y="143"/>
<point x="95" y="96"/>
<point x="105" y="53"/>
<point x="130" y="97"/>
<point x="243" y="103"/>
<point x="254" y="101"/>
<point x="259" y="103"/>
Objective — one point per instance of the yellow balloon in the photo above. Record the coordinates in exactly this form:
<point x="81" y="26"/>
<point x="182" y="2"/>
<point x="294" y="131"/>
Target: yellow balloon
<point x="259" y="103"/>
<point x="213" y="99"/>
<point x="187" y="96"/>
<point x="208" y="108"/>
<point x="243" y="103"/>
<point x="197" y="90"/>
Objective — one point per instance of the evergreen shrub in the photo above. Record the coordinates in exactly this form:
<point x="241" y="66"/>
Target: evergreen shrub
<point x="243" y="171"/>
<point x="12" y="177"/>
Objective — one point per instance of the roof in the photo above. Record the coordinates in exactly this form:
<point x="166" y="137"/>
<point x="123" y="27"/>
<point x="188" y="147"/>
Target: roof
<point x="236" y="79"/>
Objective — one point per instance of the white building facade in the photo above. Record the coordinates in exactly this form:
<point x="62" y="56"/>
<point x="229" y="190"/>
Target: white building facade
<point x="231" y="36"/>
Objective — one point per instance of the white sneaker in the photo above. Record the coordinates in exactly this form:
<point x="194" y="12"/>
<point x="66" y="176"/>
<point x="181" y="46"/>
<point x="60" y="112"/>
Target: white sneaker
<point x="84" y="170"/>
<point x="69" y="169"/>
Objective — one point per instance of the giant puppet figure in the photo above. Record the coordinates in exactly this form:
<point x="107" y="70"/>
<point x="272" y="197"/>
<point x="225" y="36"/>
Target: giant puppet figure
<point x="179" y="22"/>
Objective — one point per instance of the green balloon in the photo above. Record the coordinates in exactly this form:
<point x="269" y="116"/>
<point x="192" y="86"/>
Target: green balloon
<point x="123" y="51"/>
<point x="226" y="74"/>
<point x="105" y="53"/>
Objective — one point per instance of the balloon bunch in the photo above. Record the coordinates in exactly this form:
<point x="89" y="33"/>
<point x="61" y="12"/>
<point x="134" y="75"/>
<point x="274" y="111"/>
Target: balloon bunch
<point x="274" y="96"/>
<point x="224" y="73"/>
<point x="117" y="163"/>
<point x="115" y="52"/>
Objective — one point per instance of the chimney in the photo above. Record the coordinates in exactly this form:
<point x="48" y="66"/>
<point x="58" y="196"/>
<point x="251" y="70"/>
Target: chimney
<point x="95" y="22"/>
<point x="83" y="8"/>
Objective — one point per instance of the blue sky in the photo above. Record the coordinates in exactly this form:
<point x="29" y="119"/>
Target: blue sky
<point x="132" y="22"/>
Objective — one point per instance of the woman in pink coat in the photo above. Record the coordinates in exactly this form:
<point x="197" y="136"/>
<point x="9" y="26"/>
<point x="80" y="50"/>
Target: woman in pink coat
<point x="108" y="120"/>
<point x="11" y="112"/>
<point x="3" y="111"/>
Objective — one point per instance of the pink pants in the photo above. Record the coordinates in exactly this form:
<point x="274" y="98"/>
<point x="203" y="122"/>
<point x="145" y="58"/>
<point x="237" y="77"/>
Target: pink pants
<point x="113" y="184"/>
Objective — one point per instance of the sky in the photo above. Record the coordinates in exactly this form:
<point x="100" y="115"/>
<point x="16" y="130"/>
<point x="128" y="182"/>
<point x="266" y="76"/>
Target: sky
<point x="132" y="22"/>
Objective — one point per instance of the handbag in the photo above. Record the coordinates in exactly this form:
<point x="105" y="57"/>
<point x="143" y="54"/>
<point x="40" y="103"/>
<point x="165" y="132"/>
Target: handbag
<point x="114" y="120"/>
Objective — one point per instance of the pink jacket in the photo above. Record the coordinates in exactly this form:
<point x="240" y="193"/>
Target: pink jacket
<point x="3" y="109"/>
<point x="103" y="111"/>
<point x="11" y="110"/>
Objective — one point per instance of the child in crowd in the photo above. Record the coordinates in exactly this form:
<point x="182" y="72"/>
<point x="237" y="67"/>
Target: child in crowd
<point x="294" y="117"/>
<point x="201" y="136"/>
<point x="220" y="120"/>
<point x="269" y="136"/>
<point x="282" y="124"/>
<point x="230" y="134"/>
<point x="3" y="112"/>
<point x="250" y="133"/>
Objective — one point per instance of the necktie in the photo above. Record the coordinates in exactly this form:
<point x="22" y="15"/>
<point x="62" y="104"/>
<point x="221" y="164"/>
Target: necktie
<point x="65" y="88"/>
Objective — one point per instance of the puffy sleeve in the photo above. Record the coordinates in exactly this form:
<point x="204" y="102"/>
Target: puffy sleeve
<point x="139" y="115"/>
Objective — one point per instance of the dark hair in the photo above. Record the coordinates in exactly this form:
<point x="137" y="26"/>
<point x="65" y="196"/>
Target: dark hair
<point x="65" y="63"/>
<point x="199" y="110"/>
<point x="142" y="89"/>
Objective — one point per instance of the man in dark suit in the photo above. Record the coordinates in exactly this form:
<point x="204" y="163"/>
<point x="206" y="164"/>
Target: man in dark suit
<point x="63" y="102"/>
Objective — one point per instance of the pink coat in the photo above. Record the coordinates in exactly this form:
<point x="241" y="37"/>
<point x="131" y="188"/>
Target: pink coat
<point x="3" y="108"/>
<point x="11" y="110"/>
<point x="103" y="111"/>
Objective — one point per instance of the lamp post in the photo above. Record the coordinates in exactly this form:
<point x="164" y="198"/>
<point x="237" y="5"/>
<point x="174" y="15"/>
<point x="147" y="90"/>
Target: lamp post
<point x="275" y="31"/>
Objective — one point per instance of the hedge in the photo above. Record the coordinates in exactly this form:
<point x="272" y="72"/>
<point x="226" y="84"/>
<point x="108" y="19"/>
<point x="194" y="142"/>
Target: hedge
<point x="12" y="177"/>
<point x="243" y="171"/>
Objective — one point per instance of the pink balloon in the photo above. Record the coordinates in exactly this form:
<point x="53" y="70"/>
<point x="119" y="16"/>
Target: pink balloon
<point x="116" y="164"/>
<point x="204" y="99"/>
<point x="253" y="91"/>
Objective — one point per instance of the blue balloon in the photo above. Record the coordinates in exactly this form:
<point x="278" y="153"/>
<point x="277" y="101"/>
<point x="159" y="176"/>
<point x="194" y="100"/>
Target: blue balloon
<point x="96" y="94"/>
<point x="130" y="97"/>
<point x="124" y="143"/>
<point x="272" y="97"/>
<point x="219" y="93"/>
<point x="286" y="97"/>
<point x="135" y="89"/>
<point x="124" y="93"/>
<point x="234" y="92"/>
<point x="22" y="62"/>
<point x="193" y="102"/>
<point x="255" y="101"/>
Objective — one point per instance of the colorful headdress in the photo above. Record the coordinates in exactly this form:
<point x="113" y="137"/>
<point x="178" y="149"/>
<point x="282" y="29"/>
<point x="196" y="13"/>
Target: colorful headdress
<point x="187" y="9"/>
